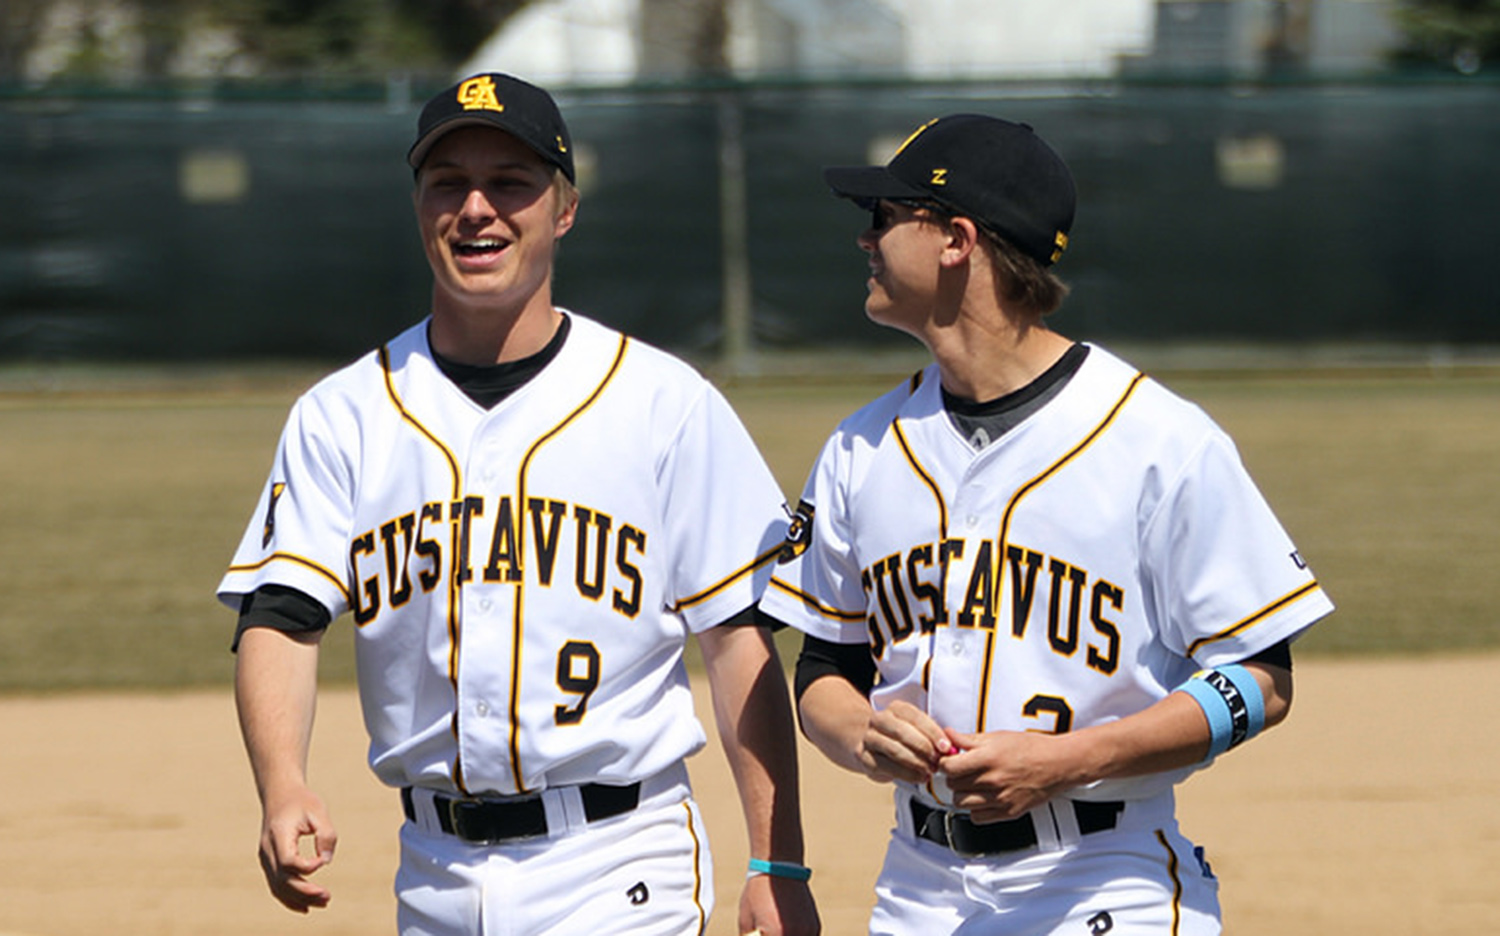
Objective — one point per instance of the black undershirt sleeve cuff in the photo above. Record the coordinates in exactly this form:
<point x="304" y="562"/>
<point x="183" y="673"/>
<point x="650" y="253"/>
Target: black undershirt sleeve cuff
<point x="821" y="658"/>
<point x="1279" y="654"/>
<point x="280" y="608"/>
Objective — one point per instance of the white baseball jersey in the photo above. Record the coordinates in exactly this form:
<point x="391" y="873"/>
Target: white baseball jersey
<point x="1072" y="572"/>
<point x="522" y="580"/>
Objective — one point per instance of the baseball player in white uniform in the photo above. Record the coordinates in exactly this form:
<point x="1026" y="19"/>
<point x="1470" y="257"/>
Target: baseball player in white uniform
<point x="525" y="515"/>
<point x="1038" y="590"/>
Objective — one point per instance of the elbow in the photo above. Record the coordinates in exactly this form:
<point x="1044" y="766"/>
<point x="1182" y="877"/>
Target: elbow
<point x="1276" y="686"/>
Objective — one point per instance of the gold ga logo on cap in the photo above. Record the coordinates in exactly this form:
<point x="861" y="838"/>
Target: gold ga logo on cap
<point x="479" y="94"/>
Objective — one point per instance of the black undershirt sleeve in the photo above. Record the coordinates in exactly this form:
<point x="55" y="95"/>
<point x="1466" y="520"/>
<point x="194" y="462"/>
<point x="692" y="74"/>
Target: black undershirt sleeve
<point x="1279" y="654"/>
<point x="821" y="658"/>
<point x="280" y="608"/>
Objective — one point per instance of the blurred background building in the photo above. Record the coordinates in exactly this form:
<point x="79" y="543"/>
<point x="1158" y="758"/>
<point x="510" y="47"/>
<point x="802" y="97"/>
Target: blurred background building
<point x="624" y="41"/>
<point x="187" y="179"/>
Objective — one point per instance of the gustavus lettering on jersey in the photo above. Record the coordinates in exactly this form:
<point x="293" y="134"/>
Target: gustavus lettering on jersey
<point x="550" y="543"/>
<point x="1042" y="598"/>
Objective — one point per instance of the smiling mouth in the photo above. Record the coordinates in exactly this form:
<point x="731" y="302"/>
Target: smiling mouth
<point x="478" y="248"/>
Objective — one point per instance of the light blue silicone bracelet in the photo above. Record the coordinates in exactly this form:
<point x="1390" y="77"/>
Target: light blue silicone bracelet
<point x="781" y="869"/>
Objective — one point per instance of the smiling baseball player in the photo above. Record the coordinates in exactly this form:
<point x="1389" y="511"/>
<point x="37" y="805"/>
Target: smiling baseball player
<point x="1037" y="589"/>
<point x="525" y="514"/>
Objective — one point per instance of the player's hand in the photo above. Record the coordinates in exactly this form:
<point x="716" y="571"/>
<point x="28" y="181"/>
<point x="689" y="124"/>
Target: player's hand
<point x="773" y="906"/>
<point x="902" y="742"/>
<point x="289" y="819"/>
<point x="999" y="775"/>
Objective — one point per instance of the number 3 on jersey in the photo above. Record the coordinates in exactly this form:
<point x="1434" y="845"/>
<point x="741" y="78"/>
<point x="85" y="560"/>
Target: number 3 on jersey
<point x="577" y="674"/>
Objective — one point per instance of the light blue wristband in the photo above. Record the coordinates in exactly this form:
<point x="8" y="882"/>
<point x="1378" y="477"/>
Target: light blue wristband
<point x="1231" y="701"/>
<point x="781" y="869"/>
<point x="1245" y="682"/>
<point x="1220" y="722"/>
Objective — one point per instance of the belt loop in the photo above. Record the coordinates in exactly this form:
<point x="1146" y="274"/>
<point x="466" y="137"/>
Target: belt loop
<point x="564" y="810"/>
<point x="1056" y="825"/>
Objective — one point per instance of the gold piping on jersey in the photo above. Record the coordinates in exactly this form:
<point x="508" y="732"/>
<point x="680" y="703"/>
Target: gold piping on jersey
<point x="390" y="389"/>
<point x="1172" y="872"/>
<point x="1255" y="618"/>
<point x="455" y="585"/>
<point x="770" y="555"/>
<point x="937" y="493"/>
<point x="1010" y="509"/>
<point x="814" y="604"/>
<point x="942" y="506"/>
<point x="338" y="583"/>
<point x="520" y="563"/>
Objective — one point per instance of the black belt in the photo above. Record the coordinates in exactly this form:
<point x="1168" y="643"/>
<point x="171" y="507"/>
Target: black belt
<point x="963" y="836"/>
<point x="489" y="822"/>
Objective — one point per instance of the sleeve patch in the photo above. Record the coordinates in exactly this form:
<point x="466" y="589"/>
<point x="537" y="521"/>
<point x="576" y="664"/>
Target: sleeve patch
<point x="277" y="489"/>
<point x="798" y="533"/>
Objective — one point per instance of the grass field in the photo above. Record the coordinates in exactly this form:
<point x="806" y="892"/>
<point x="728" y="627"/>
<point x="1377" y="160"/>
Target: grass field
<point x="122" y="499"/>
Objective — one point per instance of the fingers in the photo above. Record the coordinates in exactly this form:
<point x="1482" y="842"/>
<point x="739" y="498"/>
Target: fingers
<point x="778" y="907"/>
<point x="284" y="863"/>
<point x="291" y="887"/>
<point x="905" y="743"/>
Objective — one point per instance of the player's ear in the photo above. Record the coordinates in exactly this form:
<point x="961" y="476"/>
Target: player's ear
<point x="567" y="207"/>
<point x="963" y="238"/>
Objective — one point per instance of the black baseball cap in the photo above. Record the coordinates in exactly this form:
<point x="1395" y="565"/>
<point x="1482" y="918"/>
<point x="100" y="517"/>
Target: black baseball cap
<point x="998" y="173"/>
<point x="507" y="103"/>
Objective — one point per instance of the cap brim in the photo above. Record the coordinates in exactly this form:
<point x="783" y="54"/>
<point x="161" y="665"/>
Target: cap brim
<point x="418" y="151"/>
<point x="867" y="183"/>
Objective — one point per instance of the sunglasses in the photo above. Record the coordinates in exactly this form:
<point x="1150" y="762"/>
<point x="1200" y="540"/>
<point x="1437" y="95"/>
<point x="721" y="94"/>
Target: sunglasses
<point x="881" y="215"/>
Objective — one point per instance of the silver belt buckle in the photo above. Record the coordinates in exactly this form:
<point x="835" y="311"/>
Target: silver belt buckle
<point x="948" y="815"/>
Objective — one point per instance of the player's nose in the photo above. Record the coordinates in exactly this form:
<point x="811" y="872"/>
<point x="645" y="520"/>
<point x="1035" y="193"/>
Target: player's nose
<point x="477" y="207"/>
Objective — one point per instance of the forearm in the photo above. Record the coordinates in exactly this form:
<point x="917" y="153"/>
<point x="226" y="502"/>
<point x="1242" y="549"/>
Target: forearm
<point x="999" y="775"/>
<point x="1169" y="735"/>
<point x="275" y="693"/>
<point x="835" y="718"/>
<point x="752" y="710"/>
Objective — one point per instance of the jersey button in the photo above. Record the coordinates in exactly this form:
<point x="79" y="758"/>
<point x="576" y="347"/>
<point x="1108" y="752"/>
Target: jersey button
<point x="482" y="709"/>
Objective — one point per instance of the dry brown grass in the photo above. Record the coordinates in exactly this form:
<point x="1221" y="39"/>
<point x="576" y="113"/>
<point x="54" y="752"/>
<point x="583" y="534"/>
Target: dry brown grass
<point x="122" y="500"/>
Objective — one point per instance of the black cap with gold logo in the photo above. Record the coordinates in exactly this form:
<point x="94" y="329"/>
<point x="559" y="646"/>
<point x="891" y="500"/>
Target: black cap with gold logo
<point x="523" y="110"/>
<point x="992" y="171"/>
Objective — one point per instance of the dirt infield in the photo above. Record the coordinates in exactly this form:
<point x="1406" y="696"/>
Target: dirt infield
<point x="1374" y="810"/>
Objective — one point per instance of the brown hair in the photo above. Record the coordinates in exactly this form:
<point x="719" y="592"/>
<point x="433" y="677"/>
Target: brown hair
<point x="1022" y="281"/>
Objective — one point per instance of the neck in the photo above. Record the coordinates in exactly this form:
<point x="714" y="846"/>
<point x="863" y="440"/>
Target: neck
<point x="985" y="358"/>
<point x="484" y="336"/>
